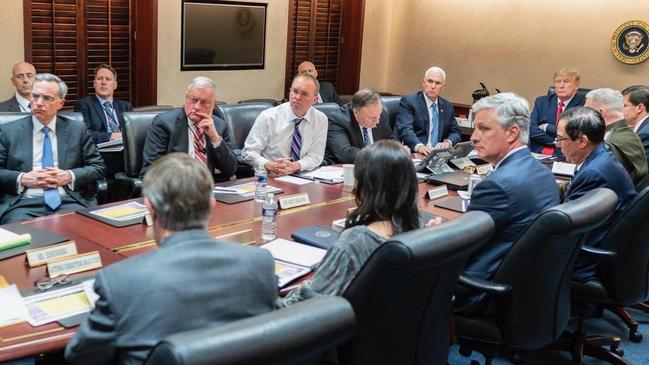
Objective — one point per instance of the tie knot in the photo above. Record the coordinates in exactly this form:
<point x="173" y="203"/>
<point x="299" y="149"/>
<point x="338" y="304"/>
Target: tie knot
<point x="107" y="104"/>
<point x="45" y="130"/>
<point x="433" y="106"/>
<point x="561" y="104"/>
<point x="297" y="121"/>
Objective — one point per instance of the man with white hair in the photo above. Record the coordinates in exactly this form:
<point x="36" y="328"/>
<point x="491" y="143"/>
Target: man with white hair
<point x="193" y="129"/>
<point x="517" y="190"/>
<point x="625" y="145"/>
<point x="424" y="119"/>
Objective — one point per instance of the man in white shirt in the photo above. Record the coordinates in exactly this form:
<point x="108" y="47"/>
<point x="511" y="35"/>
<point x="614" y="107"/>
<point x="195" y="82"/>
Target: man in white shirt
<point x="290" y="137"/>
<point x="22" y="76"/>
<point x="636" y="112"/>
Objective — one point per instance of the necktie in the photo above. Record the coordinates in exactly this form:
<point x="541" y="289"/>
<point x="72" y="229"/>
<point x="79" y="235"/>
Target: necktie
<point x="51" y="197"/>
<point x="366" y="137"/>
<point x="113" y="126"/>
<point x="434" y="125"/>
<point x="199" y="145"/>
<point x="559" y="111"/>
<point x="296" y="145"/>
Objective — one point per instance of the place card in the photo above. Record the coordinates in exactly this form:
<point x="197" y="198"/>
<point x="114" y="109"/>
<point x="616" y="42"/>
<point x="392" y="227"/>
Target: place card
<point x="485" y="169"/>
<point x="43" y="255"/>
<point x="245" y="237"/>
<point x="437" y="192"/>
<point x="294" y="200"/>
<point x="74" y="264"/>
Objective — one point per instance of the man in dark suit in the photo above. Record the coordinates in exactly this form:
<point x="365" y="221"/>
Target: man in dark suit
<point x="327" y="93"/>
<point x="359" y="123"/>
<point x="22" y="77"/>
<point x="543" y="121"/>
<point x="194" y="130"/>
<point x="46" y="162"/>
<point x="580" y="136"/>
<point x="636" y="112"/>
<point x="425" y="120"/>
<point x="102" y="112"/>
<point x="500" y="136"/>
<point x="191" y="281"/>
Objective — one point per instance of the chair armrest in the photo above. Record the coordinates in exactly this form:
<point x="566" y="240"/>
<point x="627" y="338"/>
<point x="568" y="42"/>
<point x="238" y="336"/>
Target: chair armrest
<point x="598" y="251"/>
<point x="485" y="286"/>
<point x="101" y="187"/>
<point x="134" y="183"/>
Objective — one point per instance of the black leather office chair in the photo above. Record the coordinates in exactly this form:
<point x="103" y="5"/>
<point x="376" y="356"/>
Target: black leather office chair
<point x="402" y="294"/>
<point x="391" y="104"/>
<point x="530" y="306"/>
<point x="240" y="118"/>
<point x="298" y="334"/>
<point x="152" y="108"/>
<point x="272" y="102"/>
<point x="580" y="91"/>
<point x="329" y="109"/>
<point x="7" y="117"/>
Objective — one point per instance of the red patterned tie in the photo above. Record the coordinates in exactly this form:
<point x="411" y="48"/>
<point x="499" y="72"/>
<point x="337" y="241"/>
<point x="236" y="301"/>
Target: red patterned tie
<point x="199" y="145"/>
<point x="549" y="150"/>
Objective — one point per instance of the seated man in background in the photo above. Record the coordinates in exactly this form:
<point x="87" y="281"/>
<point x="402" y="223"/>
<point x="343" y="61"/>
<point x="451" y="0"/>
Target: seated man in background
<point x="191" y="281"/>
<point x="500" y="137"/>
<point x="101" y="112"/>
<point x="618" y="137"/>
<point x="636" y="112"/>
<point x="290" y="137"/>
<point x="193" y="129"/>
<point x="360" y="123"/>
<point x="22" y="77"/>
<point x="424" y="119"/>
<point x="580" y="136"/>
<point x="46" y="163"/>
<point x="327" y="92"/>
<point x="547" y="108"/>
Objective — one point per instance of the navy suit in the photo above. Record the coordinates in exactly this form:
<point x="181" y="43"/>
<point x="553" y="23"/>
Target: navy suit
<point x="599" y="170"/>
<point x="413" y="121"/>
<point x="95" y="118"/>
<point x="328" y="93"/>
<point x="507" y="197"/>
<point x="545" y="111"/>
<point x="643" y="133"/>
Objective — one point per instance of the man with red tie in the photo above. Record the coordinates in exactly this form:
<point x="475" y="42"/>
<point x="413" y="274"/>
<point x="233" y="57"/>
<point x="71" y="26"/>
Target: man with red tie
<point x="547" y="108"/>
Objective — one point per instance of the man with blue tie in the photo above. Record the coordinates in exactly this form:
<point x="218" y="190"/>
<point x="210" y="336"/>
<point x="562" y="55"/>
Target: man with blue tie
<point x="46" y="162"/>
<point x="424" y="119"/>
<point x="357" y="124"/>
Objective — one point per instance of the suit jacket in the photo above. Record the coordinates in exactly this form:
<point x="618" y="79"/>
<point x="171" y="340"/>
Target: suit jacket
<point x="10" y="105"/>
<point x="643" y="133"/>
<point x="76" y="152"/>
<point x="191" y="281"/>
<point x="95" y="119"/>
<point x="506" y="196"/>
<point x="627" y="147"/>
<point x="169" y="133"/>
<point x="328" y="93"/>
<point x="344" y="137"/>
<point x="545" y="111"/>
<point x="599" y="170"/>
<point x="413" y="121"/>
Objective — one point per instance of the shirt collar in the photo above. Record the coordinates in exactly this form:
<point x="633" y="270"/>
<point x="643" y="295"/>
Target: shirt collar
<point x="38" y="125"/>
<point x="637" y="125"/>
<point x="305" y="118"/>
<point x="431" y="102"/>
<point x="24" y="103"/>
<point x="102" y="100"/>
<point x="509" y="154"/>
<point x="565" y="103"/>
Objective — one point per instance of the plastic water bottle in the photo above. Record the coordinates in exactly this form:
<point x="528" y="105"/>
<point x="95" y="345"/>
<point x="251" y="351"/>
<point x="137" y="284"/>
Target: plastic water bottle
<point x="261" y="178"/>
<point x="268" y="218"/>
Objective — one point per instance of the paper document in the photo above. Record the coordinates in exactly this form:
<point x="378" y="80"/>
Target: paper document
<point x="295" y="253"/>
<point x="10" y="240"/>
<point x="111" y="149"/>
<point x="293" y="180"/>
<point x="246" y="189"/>
<point x="328" y="173"/>
<point x="288" y="272"/>
<point x="53" y="305"/>
<point x="122" y="212"/>
<point x="12" y="309"/>
<point x="113" y="143"/>
<point x="563" y="168"/>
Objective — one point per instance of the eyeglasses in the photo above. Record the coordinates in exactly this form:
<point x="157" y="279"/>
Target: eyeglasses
<point x="46" y="98"/>
<point x="202" y="102"/>
<point x="45" y="283"/>
<point x="559" y="139"/>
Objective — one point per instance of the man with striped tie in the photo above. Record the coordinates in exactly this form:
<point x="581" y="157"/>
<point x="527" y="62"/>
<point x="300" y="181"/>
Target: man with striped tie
<point x="290" y="137"/>
<point x="193" y="129"/>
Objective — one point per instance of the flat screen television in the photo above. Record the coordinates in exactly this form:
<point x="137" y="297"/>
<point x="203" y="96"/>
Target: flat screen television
<point x="222" y="35"/>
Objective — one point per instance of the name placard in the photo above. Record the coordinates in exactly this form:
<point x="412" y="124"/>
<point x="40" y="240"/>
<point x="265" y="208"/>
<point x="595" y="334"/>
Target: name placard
<point x="245" y="237"/>
<point x="74" y="264"/>
<point x="43" y="255"/>
<point x="437" y="192"/>
<point x="485" y="169"/>
<point x="293" y="201"/>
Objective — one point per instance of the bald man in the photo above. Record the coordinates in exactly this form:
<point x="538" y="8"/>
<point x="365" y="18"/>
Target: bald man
<point x="22" y="76"/>
<point x="327" y="93"/>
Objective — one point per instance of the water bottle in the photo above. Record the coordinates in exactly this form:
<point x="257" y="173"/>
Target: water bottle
<point x="261" y="178"/>
<point x="268" y="218"/>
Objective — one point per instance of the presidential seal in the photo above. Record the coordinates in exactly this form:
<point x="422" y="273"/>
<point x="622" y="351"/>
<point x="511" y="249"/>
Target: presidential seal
<point x="629" y="42"/>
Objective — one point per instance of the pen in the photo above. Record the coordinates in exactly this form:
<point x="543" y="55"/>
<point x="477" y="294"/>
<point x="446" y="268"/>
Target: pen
<point x="229" y="190"/>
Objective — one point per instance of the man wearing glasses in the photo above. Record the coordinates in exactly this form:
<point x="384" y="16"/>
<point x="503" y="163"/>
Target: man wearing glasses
<point x="46" y="162"/>
<point x="194" y="130"/>
<point x="547" y="108"/>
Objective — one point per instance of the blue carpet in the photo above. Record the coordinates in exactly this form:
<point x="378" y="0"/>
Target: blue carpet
<point x="635" y="353"/>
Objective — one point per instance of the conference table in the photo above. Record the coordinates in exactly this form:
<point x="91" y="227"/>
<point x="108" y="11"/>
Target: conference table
<point x="327" y="203"/>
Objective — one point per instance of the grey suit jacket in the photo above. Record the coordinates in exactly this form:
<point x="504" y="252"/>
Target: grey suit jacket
<point x="10" y="105"/>
<point x="76" y="152"/>
<point x="192" y="281"/>
<point x="169" y="133"/>
<point x="328" y="93"/>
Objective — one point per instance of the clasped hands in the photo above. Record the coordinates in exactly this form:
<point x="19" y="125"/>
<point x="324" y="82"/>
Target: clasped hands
<point x="47" y="178"/>
<point x="283" y="166"/>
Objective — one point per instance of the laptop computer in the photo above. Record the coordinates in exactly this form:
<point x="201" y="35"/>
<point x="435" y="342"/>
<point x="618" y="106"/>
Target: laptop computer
<point x="456" y="180"/>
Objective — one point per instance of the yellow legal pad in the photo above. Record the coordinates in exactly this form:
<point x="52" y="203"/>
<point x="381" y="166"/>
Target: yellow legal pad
<point x="123" y="211"/>
<point x="65" y="304"/>
<point x="3" y="282"/>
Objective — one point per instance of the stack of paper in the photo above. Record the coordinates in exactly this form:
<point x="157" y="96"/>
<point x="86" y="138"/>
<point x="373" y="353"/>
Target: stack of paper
<point x="56" y="304"/>
<point x="115" y="145"/>
<point x="9" y="240"/>
<point x="293" y="259"/>
<point x="563" y="168"/>
<point x="12" y="309"/>
<point x="326" y="173"/>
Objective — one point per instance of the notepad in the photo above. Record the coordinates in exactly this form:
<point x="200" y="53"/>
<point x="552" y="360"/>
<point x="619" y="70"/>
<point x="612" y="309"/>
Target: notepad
<point x="295" y="253"/>
<point x="56" y="304"/>
<point x="9" y="240"/>
<point x="122" y="212"/>
<point x="12" y="309"/>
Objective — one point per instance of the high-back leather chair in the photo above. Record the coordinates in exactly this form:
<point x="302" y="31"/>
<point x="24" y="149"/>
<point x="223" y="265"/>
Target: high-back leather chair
<point x="152" y="108"/>
<point x="298" y="334"/>
<point x="7" y="117"/>
<point x="391" y="105"/>
<point x="272" y="102"/>
<point x="580" y="91"/>
<point x="530" y="307"/>
<point x="402" y="294"/>
<point x="329" y="109"/>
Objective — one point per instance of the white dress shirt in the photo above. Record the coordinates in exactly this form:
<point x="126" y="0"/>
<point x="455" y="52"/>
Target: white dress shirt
<point x="272" y="134"/>
<point x="23" y="103"/>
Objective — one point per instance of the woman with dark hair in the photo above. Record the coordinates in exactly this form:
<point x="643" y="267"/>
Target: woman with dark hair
<point x="386" y="199"/>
